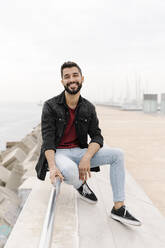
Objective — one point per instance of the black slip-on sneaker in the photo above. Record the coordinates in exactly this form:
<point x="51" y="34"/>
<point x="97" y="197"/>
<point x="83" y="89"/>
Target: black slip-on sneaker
<point x="87" y="194"/>
<point x="124" y="216"/>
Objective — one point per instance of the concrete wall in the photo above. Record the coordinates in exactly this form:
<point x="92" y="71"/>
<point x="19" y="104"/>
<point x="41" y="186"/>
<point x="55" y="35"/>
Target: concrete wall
<point x="150" y="103"/>
<point x="162" y="104"/>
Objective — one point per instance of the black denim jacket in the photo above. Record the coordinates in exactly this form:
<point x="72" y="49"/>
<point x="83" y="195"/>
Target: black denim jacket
<point x="55" y="115"/>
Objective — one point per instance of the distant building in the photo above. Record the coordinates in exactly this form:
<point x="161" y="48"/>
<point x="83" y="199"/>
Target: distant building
<point x="150" y="103"/>
<point x="162" y="103"/>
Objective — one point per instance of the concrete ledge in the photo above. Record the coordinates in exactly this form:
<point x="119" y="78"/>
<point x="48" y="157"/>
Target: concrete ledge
<point x="91" y="226"/>
<point x="97" y="229"/>
<point x="28" y="227"/>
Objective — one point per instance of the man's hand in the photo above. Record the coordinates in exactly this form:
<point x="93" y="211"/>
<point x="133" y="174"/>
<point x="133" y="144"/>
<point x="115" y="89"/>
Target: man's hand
<point x="54" y="173"/>
<point x="84" y="165"/>
<point x="84" y="169"/>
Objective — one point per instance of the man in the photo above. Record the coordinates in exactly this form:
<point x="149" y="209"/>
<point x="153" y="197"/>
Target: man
<point x="67" y="119"/>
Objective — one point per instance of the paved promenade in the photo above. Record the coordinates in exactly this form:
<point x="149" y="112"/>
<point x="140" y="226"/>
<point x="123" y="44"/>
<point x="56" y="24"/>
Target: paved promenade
<point x="79" y="224"/>
<point x="142" y="137"/>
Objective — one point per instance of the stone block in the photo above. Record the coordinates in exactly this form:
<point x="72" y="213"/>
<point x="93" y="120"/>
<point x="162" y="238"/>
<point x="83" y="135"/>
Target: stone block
<point x="17" y="155"/>
<point x="9" y="206"/>
<point x="10" y="144"/>
<point x="7" y="151"/>
<point x="0" y="156"/>
<point x="14" y="180"/>
<point x="35" y="152"/>
<point x="29" y="168"/>
<point x="4" y="174"/>
<point x="27" y="143"/>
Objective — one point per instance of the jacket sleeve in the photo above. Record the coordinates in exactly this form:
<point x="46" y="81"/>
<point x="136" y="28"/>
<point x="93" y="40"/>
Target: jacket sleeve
<point x="48" y="128"/>
<point x="94" y="130"/>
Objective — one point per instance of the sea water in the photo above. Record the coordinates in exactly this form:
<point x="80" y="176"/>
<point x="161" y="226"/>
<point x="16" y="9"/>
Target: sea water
<point x="17" y="119"/>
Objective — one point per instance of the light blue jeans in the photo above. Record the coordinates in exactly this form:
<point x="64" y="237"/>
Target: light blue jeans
<point x="67" y="160"/>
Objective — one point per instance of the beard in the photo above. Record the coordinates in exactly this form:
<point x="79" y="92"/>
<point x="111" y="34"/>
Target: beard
<point x="73" y="92"/>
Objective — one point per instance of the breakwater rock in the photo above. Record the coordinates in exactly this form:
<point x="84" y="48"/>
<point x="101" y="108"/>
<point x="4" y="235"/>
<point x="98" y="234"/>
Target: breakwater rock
<point x="17" y="163"/>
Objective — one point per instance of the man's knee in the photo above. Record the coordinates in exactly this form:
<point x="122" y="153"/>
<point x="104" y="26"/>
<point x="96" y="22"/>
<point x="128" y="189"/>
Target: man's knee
<point x="117" y="154"/>
<point x="70" y="173"/>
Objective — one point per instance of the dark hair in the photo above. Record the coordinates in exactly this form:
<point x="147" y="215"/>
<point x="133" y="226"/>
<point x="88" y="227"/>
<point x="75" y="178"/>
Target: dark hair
<point x="69" y="64"/>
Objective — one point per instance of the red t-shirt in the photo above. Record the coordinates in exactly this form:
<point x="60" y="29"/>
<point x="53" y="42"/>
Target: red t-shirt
<point x="69" y="139"/>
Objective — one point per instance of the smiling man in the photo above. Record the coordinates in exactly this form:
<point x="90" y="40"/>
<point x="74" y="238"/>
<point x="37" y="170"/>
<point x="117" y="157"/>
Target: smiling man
<point x="67" y="120"/>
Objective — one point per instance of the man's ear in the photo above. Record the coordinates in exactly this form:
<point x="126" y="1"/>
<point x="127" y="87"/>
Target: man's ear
<point x="62" y="82"/>
<point x="82" y="79"/>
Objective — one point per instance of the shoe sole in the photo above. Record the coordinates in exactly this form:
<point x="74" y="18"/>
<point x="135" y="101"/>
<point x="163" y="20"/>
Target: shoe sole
<point x="86" y="199"/>
<point x="129" y="222"/>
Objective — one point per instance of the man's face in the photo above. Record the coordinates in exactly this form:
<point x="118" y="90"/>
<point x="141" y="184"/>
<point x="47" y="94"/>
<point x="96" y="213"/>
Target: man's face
<point x="72" y="80"/>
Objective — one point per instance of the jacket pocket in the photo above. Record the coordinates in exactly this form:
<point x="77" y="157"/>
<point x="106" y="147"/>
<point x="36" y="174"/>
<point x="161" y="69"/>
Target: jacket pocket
<point x="83" y="125"/>
<point x="84" y="120"/>
<point x="60" y="125"/>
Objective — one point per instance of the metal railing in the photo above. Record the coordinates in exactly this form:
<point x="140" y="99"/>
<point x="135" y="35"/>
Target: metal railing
<point x="47" y="231"/>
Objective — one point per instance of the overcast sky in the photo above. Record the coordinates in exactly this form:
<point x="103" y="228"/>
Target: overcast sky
<point x="115" y="43"/>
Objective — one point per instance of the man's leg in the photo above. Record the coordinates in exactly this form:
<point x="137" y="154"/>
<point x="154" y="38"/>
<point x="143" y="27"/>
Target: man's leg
<point x="70" y="171"/>
<point x="115" y="158"/>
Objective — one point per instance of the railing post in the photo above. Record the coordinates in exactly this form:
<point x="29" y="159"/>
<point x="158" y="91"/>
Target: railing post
<point x="47" y="231"/>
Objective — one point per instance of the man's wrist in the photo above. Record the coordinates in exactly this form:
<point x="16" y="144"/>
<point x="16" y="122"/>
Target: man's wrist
<point x="87" y="157"/>
<point x="52" y="167"/>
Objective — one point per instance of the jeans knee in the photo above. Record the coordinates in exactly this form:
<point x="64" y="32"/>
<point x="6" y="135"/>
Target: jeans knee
<point x="70" y="174"/>
<point x="119" y="154"/>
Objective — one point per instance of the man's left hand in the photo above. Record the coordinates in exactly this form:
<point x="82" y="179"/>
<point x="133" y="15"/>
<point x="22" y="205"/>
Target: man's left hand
<point x="84" y="169"/>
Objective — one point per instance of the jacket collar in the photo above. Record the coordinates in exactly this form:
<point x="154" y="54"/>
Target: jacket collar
<point x="61" y="99"/>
